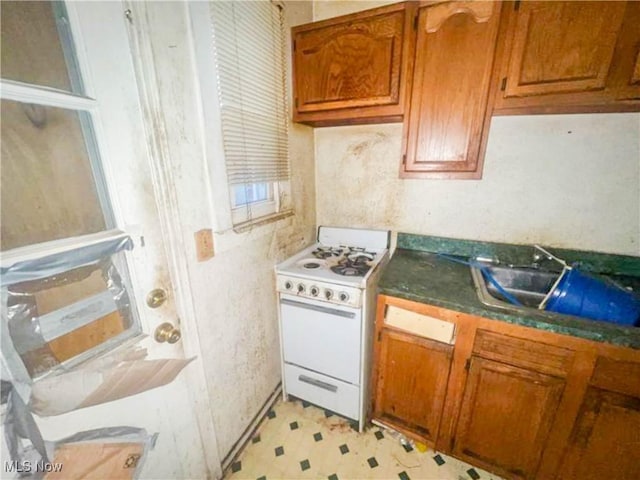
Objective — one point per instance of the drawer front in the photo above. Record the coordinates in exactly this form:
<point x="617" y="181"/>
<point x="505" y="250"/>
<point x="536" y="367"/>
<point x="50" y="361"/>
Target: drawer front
<point x="524" y="353"/>
<point x="327" y="392"/>
<point x="617" y="376"/>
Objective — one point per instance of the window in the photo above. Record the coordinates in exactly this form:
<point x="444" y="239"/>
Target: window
<point x="65" y="283"/>
<point x="249" y="50"/>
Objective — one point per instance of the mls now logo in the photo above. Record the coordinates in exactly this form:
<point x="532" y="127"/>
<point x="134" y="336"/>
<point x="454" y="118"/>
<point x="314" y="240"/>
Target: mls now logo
<point x="31" y="467"/>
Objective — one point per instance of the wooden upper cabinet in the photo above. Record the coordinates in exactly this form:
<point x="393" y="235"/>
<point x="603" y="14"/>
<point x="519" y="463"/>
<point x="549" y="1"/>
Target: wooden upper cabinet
<point x="568" y="56"/>
<point x="352" y="69"/>
<point x="447" y="125"/>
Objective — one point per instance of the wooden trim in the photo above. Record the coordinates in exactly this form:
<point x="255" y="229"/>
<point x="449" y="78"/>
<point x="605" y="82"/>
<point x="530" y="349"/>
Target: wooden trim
<point x="618" y="107"/>
<point x="480" y="11"/>
<point x="457" y="381"/>
<point x="567" y="413"/>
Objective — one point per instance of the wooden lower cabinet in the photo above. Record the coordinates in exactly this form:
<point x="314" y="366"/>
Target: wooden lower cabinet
<point x="605" y="439"/>
<point x="516" y="401"/>
<point x="506" y="415"/>
<point x="411" y="383"/>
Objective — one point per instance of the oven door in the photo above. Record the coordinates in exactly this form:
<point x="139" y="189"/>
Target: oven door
<point x="321" y="337"/>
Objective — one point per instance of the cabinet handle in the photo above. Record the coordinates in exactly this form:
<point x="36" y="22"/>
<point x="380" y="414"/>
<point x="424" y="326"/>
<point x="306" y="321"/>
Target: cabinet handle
<point x="318" y="383"/>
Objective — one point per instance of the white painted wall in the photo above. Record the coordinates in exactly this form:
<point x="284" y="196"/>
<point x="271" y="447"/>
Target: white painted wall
<point x="234" y="292"/>
<point x="560" y="180"/>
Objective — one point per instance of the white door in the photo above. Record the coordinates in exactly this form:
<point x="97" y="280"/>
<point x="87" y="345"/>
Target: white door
<point x="114" y="183"/>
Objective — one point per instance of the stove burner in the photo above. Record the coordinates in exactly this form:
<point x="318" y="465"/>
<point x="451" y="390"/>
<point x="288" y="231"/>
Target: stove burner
<point x="360" y="257"/>
<point x="311" y="265"/>
<point x="326" y="252"/>
<point x="350" y="268"/>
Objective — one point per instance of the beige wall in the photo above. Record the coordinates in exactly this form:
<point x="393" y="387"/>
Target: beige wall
<point x="560" y="180"/>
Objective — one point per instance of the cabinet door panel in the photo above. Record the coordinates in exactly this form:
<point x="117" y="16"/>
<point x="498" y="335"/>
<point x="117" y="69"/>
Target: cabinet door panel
<point x="506" y="416"/>
<point x="349" y="64"/>
<point x="412" y="380"/>
<point x="563" y="46"/>
<point x="605" y="442"/>
<point x="448" y="118"/>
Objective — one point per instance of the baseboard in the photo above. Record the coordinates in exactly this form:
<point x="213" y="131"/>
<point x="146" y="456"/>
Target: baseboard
<point x="250" y="430"/>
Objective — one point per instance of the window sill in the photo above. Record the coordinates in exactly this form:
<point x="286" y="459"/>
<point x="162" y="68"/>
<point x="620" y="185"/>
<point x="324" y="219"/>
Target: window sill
<point x="257" y="222"/>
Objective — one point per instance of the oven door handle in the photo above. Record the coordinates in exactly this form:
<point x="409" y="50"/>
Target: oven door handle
<point x="318" y="383"/>
<point x="316" y="308"/>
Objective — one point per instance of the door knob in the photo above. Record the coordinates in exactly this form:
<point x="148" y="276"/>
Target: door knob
<point x="166" y="332"/>
<point x="156" y="297"/>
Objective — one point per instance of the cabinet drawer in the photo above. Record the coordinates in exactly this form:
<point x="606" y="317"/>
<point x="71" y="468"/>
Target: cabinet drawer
<point x="327" y="392"/>
<point x="523" y="353"/>
<point x="617" y="376"/>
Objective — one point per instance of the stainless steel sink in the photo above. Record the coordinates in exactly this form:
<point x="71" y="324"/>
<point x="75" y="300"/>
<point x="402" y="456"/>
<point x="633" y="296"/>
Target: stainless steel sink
<point x="527" y="284"/>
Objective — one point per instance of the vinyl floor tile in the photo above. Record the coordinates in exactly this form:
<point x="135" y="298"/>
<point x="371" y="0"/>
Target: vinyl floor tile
<point x="314" y="444"/>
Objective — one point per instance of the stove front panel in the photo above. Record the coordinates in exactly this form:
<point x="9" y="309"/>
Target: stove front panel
<point x="315" y="290"/>
<point x="321" y="337"/>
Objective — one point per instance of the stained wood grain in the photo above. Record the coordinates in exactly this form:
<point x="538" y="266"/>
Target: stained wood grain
<point x="354" y="68"/>
<point x="568" y="57"/>
<point x="412" y="382"/>
<point x="446" y="128"/>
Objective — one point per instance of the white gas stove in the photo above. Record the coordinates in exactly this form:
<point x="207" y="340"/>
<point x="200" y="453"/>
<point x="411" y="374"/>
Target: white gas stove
<point x="327" y="307"/>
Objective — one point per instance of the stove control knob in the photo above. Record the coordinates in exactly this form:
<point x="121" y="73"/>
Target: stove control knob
<point x="288" y="285"/>
<point x="300" y="288"/>
<point x="328" y="294"/>
<point x="344" y="296"/>
<point x="314" y="291"/>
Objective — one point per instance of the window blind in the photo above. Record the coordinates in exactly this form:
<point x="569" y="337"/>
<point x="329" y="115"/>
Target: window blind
<point x="249" y="49"/>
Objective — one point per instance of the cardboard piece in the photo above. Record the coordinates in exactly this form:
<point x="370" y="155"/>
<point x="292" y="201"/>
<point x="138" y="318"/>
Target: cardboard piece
<point x="95" y="461"/>
<point x="101" y="382"/>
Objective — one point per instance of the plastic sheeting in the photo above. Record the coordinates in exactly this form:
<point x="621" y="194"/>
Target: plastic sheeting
<point x="61" y="256"/>
<point x="61" y="302"/>
<point x="117" y="453"/>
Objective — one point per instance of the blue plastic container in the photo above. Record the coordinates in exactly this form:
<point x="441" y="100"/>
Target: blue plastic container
<point x="583" y="295"/>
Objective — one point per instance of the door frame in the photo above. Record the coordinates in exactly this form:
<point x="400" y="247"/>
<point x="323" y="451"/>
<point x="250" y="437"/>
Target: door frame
<point x="166" y="196"/>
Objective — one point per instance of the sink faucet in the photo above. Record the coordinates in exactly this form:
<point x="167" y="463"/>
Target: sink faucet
<point x="542" y="254"/>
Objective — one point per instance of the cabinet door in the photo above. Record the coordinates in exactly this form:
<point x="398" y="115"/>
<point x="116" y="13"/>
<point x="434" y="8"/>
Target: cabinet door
<point x="562" y="46"/>
<point x="605" y="442"/>
<point x="353" y="62"/>
<point x="568" y="56"/>
<point x="505" y="418"/>
<point x="624" y="79"/>
<point x="448" y="122"/>
<point x="411" y="383"/>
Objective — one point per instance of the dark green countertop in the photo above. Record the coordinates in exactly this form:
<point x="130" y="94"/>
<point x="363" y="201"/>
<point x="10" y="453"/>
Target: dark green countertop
<point x="421" y="275"/>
